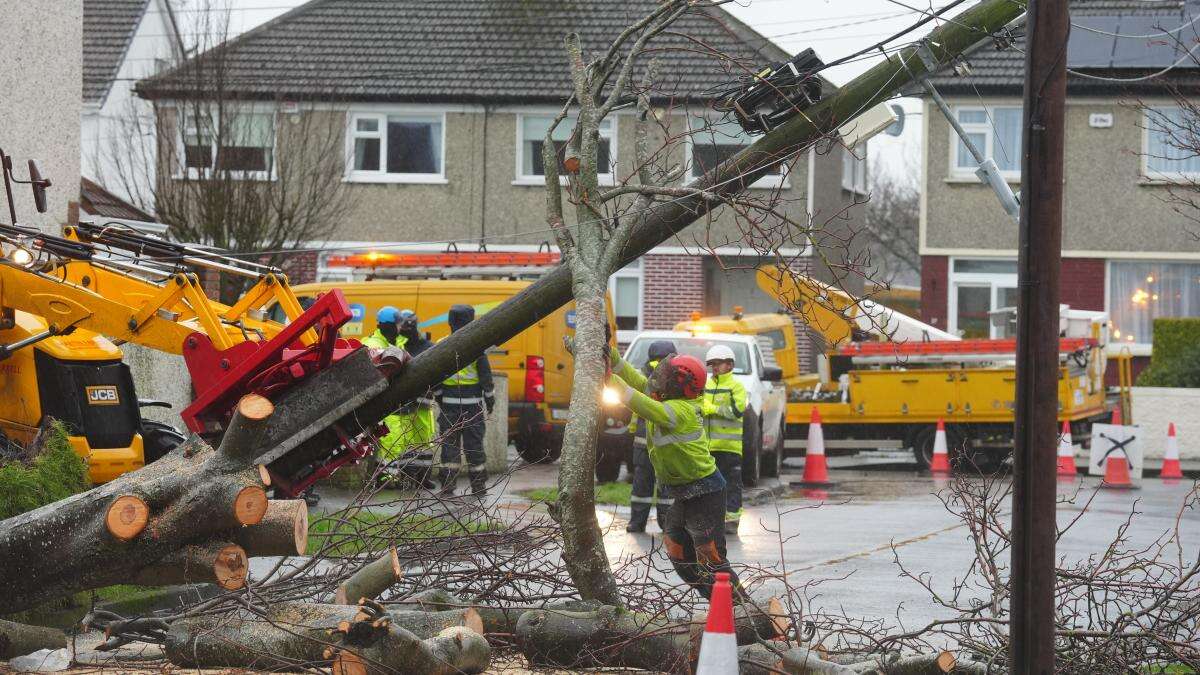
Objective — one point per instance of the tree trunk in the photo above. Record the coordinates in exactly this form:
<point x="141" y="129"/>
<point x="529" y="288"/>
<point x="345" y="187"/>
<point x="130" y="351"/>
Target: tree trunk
<point x="370" y="580"/>
<point x="612" y="637"/>
<point x="107" y="535"/>
<point x="214" y="562"/>
<point x="583" y="542"/>
<point x="395" y="650"/>
<point x="17" y="639"/>
<point x="283" y="530"/>
<point x="760" y="659"/>
<point x="291" y="634"/>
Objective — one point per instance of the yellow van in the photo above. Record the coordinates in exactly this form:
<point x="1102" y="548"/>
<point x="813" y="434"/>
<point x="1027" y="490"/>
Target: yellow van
<point x="539" y="369"/>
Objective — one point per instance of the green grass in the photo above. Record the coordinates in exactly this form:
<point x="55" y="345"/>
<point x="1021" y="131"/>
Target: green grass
<point x="370" y="531"/>
<point x="55" y="473"/>
<point x="606" y="493"/>
<point x="1170" y="669"/>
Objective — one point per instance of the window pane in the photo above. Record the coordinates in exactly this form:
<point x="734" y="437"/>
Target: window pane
<point x="366" y="154"/>
<point x="974" y="303"/>
<point x="197" y="143"/>
<point x="1006" y="149"/>
<point x="986" y="266"/>
<point x="533" y="135"/>
<point x="1007" y="297"/>
<point x="972" y="117"/>
<point x="963" y="158"/>
<point x="246" y="142"/>
<point x="1141" y="292"/>
<point x="706" y="156"/>
<point x="414" y="146"/>
<point x="1163" y="135"/>
<point x="367" y="124"/>
<point x="626" y="294"/>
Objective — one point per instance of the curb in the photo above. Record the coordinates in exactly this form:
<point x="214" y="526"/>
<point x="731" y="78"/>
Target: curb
<point x="763" y="493"/>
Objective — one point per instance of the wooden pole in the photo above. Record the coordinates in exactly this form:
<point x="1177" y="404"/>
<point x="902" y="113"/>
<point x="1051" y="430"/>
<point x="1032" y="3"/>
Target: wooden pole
<point x="1039" y="259"/>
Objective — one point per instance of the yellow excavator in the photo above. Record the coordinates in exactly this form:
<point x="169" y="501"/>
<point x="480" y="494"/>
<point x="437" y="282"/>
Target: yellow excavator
<point x="67" y="302"/>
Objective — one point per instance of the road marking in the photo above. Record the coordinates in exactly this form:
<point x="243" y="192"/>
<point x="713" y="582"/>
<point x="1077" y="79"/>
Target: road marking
<point x="872" y="551"/>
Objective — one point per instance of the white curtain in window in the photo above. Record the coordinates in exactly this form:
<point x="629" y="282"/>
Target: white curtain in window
<point x="1140" y="292"/>
<point x="1006" y="147"/>
<point x="1161" y="155"/>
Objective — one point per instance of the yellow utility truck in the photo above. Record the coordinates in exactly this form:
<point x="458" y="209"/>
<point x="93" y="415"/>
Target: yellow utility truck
<point x="538" y="367"/>
<point x="885" y="379"/>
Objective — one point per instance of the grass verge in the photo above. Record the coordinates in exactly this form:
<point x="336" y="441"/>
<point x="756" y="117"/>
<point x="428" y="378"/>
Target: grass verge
<point x="370" y="531"/>
<point x="606" y="493"/>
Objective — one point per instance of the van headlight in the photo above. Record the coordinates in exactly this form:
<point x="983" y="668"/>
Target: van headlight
<point x="610" y="396"/>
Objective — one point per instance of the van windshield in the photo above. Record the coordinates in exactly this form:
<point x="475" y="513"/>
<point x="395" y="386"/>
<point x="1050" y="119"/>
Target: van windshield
<point x="692" y="346"/>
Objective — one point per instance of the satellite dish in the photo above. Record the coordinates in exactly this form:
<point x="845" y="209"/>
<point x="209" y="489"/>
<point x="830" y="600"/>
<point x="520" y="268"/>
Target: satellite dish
<point x="896" y="128"/>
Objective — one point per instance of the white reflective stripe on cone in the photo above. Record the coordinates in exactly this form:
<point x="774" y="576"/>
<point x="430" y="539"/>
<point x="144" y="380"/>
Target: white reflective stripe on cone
<point x="718" y="654"/>
<point x="816" y="440"/>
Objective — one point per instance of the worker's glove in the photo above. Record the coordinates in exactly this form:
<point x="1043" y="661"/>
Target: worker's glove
<point x="389" y="360"/>
<point x="490" y="402"/>
<point x="569" y="344"/>
<point x="708" y="408"/>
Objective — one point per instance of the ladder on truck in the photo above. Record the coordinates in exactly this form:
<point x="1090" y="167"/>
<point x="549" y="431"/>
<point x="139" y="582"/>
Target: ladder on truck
<point x="449" y="264"/>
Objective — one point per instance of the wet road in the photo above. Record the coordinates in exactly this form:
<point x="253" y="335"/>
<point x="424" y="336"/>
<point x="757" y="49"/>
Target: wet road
<point x="849" y="537"/>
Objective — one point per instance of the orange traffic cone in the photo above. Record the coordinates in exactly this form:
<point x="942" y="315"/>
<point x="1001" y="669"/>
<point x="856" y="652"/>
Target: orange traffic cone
<point x="816" y="473"/>
<point x="718" y="645"/>
<point x="1170" y="465"/>
<point x="1116" y="417"/>
<point x="940" y="463"/>
<point x="1066" y="453"/>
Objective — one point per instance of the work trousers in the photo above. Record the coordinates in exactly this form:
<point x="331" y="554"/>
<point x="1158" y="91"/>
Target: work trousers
<point x="643" y="494"/>
<point x="462" y="428"/>
<point x="730" y="466"/>
<point x="695" y="540"/>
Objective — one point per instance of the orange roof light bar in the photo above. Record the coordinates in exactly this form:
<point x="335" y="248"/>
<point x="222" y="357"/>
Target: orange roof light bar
<point x="478" y="259"/>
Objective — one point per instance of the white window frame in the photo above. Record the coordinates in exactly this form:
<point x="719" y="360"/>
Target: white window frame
<point x="858" y="184"/>
<point x="989" y="150"/>
<point x="1155" y="175"/>
<point x="182" y="170"/>
<point x="995" y="281"/>
<point x="773" y="181"/>
<point x="1117" y="345"/>
<point x="631" y="271"/>
<point x="610" y="133"/>
<point x="435" y="115"/>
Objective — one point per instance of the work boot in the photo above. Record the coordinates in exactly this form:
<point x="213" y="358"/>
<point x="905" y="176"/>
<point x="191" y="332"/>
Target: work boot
<point x="479" y="482"/>
<point x="638" y="515"/>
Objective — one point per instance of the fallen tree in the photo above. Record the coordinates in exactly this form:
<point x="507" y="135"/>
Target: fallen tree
<point x="142" y="524"/>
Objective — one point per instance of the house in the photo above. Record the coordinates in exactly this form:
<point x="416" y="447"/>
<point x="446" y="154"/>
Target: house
<point x="1126" y="251"/>
<point x="39" y="111"/>
<point x="444" y="107"/>
<point x="123" y="41"/>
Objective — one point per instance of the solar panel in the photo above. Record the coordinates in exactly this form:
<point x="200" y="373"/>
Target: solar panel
<point x="1088" y="49"/>
<point x="1142" y="52"/>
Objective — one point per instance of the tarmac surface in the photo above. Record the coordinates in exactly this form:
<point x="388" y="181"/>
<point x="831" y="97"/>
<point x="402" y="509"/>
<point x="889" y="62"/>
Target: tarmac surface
<point x="844" y="542"/>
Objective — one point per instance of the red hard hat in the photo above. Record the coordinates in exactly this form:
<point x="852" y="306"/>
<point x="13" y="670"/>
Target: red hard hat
<point x="690" y="374"/>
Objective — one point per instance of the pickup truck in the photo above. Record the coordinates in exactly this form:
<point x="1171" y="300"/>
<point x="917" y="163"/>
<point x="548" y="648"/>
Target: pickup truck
<point x="763" y="424"/>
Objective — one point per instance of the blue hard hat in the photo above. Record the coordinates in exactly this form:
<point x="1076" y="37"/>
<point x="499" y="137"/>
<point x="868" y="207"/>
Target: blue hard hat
<point x="407" y="314"/>
<point x="387" y="314"/>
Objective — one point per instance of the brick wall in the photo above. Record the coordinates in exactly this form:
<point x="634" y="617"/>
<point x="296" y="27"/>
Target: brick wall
<point x="672" y="288"/>
<point x="1082" y="282"/>
<point x="301" y="267"/>
<point x="935" y="277"/>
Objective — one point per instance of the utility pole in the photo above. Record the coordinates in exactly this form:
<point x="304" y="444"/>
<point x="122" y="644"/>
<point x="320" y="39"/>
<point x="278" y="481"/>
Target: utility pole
<point x="1038" y="262"/>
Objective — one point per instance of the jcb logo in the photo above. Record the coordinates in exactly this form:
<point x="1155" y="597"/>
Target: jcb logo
<point x="103" y="395"/>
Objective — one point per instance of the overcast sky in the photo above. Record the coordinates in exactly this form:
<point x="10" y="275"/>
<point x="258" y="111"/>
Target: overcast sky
<point x="833" y="28"/>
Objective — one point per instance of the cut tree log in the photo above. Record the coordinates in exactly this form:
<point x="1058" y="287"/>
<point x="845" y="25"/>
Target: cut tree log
<point x="292" y="633"/>
<point x="193" y="494"/>
<point x="918" y="664"/>
<point x="213" y="562"/>
<point x="371" y="580"/>
<point x="283" y="530"/>
<point x="386" y="649"/>
<point x="611" y="637"/>
<point x="18" y="639"/>
<point x="761" y="659"/>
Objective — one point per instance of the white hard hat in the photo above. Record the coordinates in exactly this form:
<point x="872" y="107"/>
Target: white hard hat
<point x="719" y="353"/>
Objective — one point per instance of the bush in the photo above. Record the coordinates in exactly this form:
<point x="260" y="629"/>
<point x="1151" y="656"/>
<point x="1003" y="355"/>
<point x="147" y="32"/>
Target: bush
<point x="1176" y="360"/>
<point x="55" y="472"/>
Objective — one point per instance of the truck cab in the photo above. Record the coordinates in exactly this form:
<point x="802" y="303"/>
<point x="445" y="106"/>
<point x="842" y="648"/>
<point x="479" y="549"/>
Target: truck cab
<point x="765" y="417"/>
